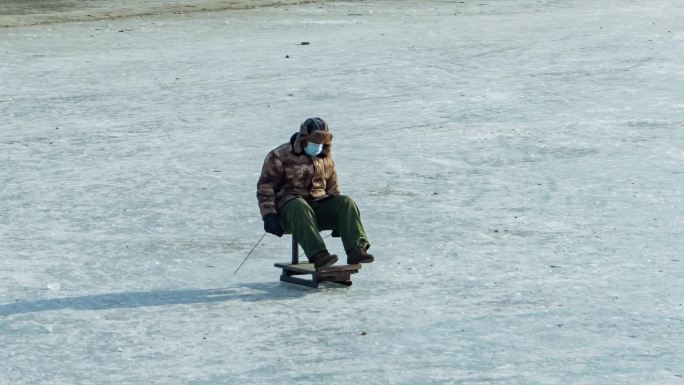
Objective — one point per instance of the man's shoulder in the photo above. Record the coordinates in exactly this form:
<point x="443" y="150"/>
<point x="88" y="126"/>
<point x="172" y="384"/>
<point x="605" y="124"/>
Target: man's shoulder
<point x="281" y="152"/>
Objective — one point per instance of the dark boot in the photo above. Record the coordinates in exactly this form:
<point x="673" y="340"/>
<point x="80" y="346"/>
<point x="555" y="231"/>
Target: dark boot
<point x="323" y="259"/>
<point x="359" y="255"/>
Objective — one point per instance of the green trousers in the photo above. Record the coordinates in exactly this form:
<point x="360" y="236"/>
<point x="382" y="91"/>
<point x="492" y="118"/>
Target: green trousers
<point x="338" y="213"/>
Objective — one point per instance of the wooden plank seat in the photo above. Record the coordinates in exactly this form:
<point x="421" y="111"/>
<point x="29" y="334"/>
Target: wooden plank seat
<point x="339" y="274"/>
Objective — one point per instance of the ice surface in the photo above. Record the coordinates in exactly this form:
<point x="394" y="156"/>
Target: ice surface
<point x="55" y="286"/>
<point x="519" y="166"/>
<point x="15" y="13"/>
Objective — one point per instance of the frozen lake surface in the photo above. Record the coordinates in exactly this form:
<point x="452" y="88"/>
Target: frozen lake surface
<point x="15" y="13"/>
<point x="519" y="166"/>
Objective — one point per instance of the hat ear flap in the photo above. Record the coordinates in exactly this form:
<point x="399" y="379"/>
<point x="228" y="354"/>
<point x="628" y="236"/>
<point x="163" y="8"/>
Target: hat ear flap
<point x="298" y="143"/>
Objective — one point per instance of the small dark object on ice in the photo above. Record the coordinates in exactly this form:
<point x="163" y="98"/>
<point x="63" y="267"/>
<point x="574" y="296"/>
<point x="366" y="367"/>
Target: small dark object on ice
<point x="305" y="43"/>
<point x="363" y="333"/>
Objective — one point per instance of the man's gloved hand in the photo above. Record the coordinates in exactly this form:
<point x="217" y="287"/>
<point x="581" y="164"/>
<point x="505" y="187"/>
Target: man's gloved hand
<point x="272" y="225"/>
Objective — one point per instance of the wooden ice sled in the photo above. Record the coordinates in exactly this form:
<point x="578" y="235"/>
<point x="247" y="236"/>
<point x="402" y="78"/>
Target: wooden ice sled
<point x="291" y="272"/>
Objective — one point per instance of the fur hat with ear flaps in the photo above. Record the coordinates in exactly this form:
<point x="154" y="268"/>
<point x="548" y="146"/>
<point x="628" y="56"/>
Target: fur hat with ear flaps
<point x="313" y="130"/>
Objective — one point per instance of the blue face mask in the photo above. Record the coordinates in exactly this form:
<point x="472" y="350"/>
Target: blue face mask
<point x="313" y="149"/>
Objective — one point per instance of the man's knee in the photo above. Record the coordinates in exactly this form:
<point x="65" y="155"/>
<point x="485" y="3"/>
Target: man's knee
<point x="345" y="200"/>
<point x="349" y="204"/>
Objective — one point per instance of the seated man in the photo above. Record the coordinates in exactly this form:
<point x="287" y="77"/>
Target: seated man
<point x="298" y="193"/>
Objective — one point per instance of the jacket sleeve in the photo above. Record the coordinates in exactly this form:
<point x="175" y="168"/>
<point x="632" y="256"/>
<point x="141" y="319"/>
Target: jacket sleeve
<point x="269" y="183"/>
<point x="332" y="186"/>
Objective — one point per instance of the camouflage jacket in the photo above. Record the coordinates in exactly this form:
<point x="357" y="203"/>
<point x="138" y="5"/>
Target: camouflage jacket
<point x="289" y="173"/>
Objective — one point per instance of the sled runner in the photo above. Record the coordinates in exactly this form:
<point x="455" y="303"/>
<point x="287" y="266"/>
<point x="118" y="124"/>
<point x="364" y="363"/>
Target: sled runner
<point x="340" y="274"/>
